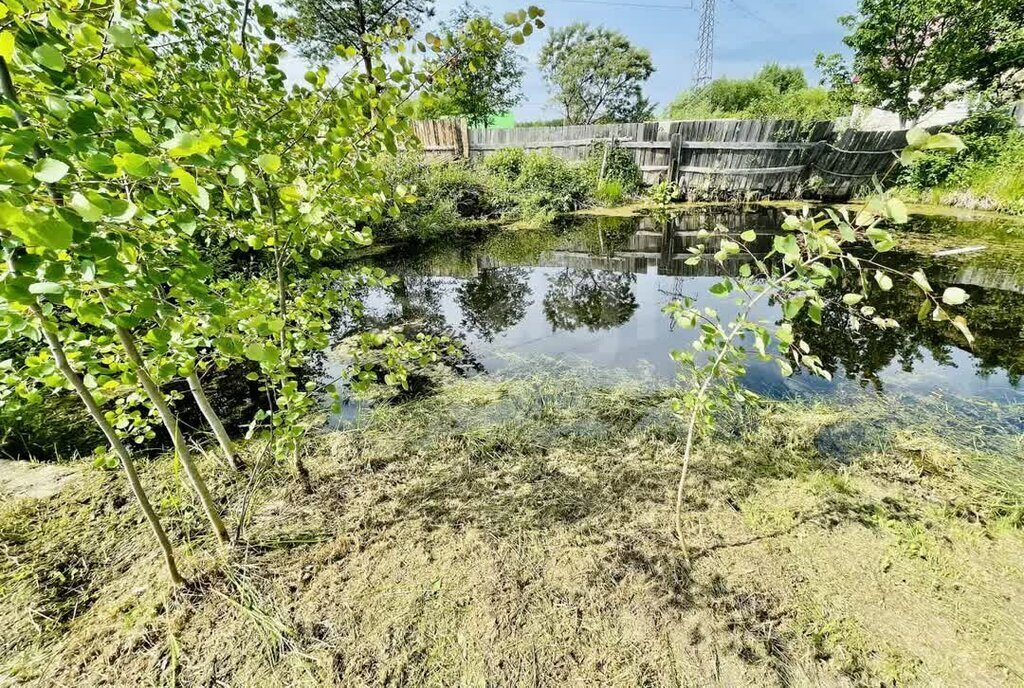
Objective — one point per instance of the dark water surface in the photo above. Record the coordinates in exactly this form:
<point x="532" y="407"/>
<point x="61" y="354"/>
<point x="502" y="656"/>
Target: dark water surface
<point x="591" y="293"/>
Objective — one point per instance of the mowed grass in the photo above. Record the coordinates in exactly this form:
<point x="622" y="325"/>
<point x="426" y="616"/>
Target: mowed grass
<point x="519" y="532"/>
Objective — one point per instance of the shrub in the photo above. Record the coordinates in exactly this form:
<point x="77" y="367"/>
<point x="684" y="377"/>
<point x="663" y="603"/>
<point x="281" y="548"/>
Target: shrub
<point x="664" y="193"/>
<point x="989" y="172"/>
<point x="447" y="194"/>
<point x="619" y="166"/>
<point x="506" y="163"/>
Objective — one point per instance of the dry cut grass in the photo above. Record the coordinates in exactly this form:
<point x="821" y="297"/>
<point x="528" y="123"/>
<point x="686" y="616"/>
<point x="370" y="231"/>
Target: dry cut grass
<point x="518" y="533"/>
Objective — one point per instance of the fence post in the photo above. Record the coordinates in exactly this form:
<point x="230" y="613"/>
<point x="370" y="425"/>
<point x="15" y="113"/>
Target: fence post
<point x="674" y="151"/>
<point x="464" y="133"/>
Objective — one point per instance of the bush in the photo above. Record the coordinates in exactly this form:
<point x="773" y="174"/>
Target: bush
<point x="618" y="166"/>
<point x="775" y="92"/>
<point x="447" y="195"/>
<point x="506" y="163"/>
<point x="548" y="186"/>
<point x="989" y="172"/>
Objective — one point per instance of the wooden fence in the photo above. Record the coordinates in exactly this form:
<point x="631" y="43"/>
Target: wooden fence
<point x="709" y="159"/>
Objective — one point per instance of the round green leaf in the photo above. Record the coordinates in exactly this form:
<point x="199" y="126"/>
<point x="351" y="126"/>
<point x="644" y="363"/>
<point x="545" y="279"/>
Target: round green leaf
<point x="50" y="170"/>
<point x="49" y="57"/>
<point x="269" y="162"/>
<point x="954" y="296"/>
<point x="7" y="45"/>
<point x="159" y="20"/>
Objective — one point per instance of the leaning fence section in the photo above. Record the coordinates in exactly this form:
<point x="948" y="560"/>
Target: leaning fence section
<point x="709" y="159"/>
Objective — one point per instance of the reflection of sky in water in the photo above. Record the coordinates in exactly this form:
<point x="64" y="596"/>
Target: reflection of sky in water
<point x="644" y="339"/>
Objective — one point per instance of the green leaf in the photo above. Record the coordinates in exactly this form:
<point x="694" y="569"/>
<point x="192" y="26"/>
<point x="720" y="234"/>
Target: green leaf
<point x="49" y="57"/>
<point x="85" y="208"/>
<point x="897" y="211"/>
<point x="720" y="288"/>
<point x="908" y="156"/>
<point x="883" y="280"/>
<point x="944" y="141"/>
<point x="15" y="171"/>
<point x="100" y="163"/>
<point x="954" y="296"/>
<point x="787" y="246"/>
<point x="748" y="235"/>
<point x="269" y="162"/>
<point x="159" y="20"/>
<point x="792" y="306"/>
<point x="238" y="175"/>
<point x="921" y="281"/>
<point x="7" y="45"/>
<point x="50" y="170"/>
<point x="121" y="36"/>
<point x="255" y="352"/>
<point x="924" y="310"/>
<point x="134" y="164"/>
<point x="852" y="299"/>
<point x="917" y="137"/>
<point x="53" y="233"/>
<point x="45" y="288"/>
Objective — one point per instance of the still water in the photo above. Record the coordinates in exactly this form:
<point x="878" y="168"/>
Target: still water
<point x="590" y="294"/>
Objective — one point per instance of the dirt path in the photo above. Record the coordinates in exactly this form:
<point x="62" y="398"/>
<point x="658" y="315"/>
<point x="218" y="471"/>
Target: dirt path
<point x="37" y="480"/>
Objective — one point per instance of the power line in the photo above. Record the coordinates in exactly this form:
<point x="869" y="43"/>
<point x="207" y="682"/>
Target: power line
<point x="750" y="13"/>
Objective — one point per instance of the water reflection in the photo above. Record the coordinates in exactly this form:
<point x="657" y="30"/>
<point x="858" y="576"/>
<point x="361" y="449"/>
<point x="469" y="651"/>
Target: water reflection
<point x="592" y="299"/>
<point x="593" y="291"/>
<point x="494" y="300"/>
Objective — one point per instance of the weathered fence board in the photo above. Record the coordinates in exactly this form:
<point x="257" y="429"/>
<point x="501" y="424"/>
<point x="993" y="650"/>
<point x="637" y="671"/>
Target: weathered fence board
<point x="709" y="159"/>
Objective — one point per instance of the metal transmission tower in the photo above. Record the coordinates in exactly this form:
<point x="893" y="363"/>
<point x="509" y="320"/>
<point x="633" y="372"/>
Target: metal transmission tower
<point x="705" y="44"/>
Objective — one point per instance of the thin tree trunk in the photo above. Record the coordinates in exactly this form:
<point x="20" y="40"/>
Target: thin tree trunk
<point x="57" y="349"/>
<point x="213" y="420"/>
<point x="364" y="49"/>
<point x="171" y="423"/>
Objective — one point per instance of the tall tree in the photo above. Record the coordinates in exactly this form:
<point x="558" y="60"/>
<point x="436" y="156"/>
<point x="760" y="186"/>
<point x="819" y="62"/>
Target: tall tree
<point x="912" y="56"/>
<point x="487" y="79"/>
<point x="318" y="27"/>
<point x="596" y="74"/>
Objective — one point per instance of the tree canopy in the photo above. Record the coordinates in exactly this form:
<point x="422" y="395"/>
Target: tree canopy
<point x="318" y="27"/>
<point x="913" y="56"/>
<point x="596" y="75"/>
<point x="775" y="91"/>
<point x="485" y="81"/>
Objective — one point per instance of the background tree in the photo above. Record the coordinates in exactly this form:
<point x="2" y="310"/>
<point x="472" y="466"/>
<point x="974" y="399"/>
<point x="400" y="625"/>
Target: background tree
<point x="775" y="91"/>
<point x="493" y="84"/>
<point x="913" y="56"/>
<point x="596" y="74"/>
<point x="318" y="27"/>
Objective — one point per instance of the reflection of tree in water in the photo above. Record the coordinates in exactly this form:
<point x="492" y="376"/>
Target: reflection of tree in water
<point x="593" y="299"/>
<point x="996" y="318"/>
<point x="414" y="299"/>
<point x="494" y="300"/>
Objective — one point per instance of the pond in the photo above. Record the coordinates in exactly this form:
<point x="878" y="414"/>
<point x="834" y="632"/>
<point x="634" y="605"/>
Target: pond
<point x="590" y="294"/>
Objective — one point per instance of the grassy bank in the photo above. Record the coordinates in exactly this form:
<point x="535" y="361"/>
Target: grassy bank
<point x="988" y="175"/>
<point x="518" y="532"/>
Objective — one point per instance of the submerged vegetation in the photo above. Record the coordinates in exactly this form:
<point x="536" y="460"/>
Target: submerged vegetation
<point x="503" y="530"/>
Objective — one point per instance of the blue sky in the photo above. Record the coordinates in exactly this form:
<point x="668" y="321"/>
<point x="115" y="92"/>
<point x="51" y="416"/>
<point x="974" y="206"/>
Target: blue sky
<point x="748" y="34"/>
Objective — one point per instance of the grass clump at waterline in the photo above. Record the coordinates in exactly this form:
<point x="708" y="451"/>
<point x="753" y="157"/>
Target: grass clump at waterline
<point x="519" y="531"/>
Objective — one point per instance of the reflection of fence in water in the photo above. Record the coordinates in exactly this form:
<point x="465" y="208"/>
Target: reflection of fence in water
<point x="662" y="252"/>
